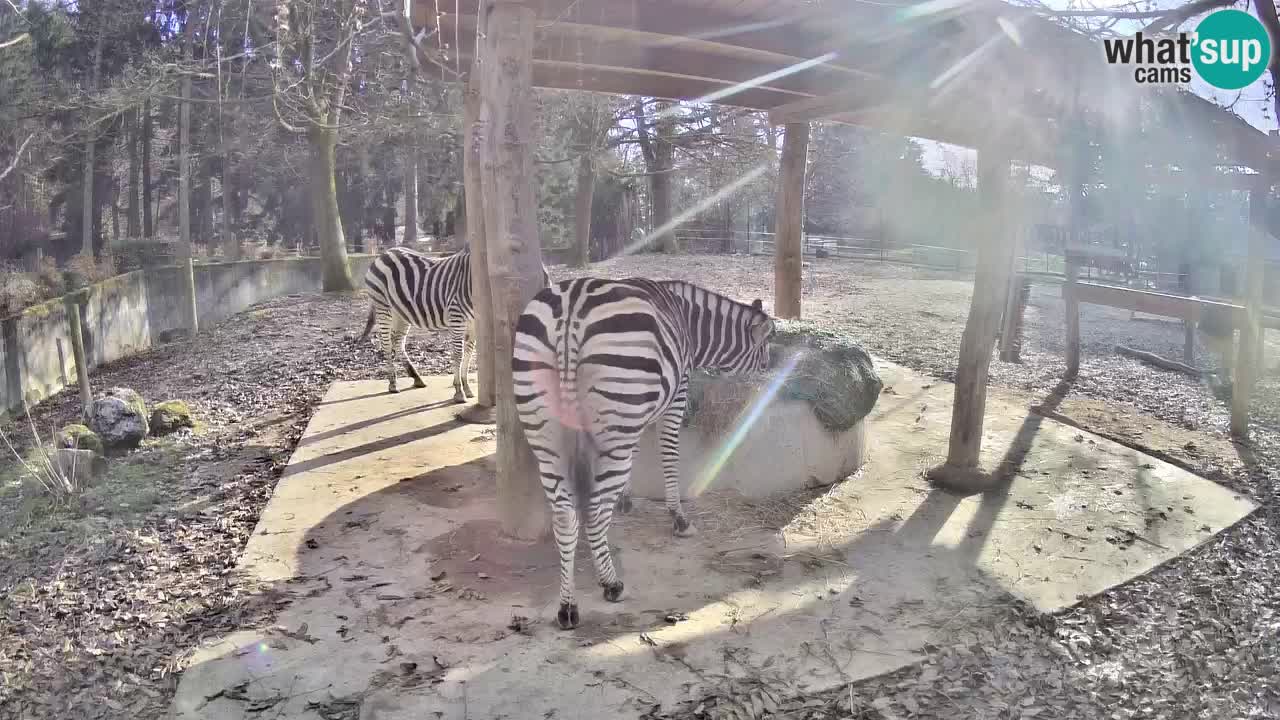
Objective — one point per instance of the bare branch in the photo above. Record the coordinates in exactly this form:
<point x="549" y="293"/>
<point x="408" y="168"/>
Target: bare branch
<point x="15" y="40"/>
<point x="16" y="157"/>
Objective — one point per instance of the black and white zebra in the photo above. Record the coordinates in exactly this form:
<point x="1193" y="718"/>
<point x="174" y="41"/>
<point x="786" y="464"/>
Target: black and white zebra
<point x="596" y="362"/>
<point x="409" y="288"/>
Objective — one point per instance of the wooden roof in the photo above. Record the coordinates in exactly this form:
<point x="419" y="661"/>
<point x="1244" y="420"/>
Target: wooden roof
<point x="969" y="72"/>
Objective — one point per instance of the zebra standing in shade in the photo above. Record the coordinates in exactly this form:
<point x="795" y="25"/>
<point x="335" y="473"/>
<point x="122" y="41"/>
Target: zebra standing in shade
<point x="595" y="363"/>
<point x="410" y="288"/>
<point x="407" y="288"/>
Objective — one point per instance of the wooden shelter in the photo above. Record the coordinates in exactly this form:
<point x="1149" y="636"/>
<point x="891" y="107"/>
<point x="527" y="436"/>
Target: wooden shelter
<point x="983" y="74"/>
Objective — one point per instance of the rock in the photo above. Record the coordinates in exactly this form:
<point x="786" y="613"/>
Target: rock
<point x="171" y="416"/>
<point x="78" y="437"/>
<point x="80" y="467"/>
<point x="119" y="418"/>
<point x="168" y="336"/>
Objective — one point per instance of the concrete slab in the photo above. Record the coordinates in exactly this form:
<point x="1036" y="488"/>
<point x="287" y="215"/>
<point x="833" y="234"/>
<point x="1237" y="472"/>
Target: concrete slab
<point x="407" y="603"/>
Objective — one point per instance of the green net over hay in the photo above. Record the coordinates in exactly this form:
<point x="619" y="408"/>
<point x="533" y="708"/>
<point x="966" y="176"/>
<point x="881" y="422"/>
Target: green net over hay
<point x="833" y="374"/>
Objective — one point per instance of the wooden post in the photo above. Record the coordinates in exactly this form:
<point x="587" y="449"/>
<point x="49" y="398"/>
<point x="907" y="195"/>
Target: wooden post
<point x="514" y="251"/>
<point x="1077" y="168"/>
<point x="1247" y="368"/>
<point x="72" y="305"/>
<point x="473" y="137"/>
<point x="995" y="243"/>
<point x="788" y="222"/>
<point x="1011" y="324"/>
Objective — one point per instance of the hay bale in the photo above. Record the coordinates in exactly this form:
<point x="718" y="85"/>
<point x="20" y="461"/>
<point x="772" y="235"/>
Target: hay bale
<point x="833" y="374"/>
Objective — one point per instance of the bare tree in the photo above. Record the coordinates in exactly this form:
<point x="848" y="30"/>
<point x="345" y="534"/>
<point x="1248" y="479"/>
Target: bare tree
<point x="312" y="71"/>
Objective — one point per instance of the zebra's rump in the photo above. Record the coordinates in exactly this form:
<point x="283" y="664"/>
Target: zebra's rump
<point x="598" y="349"/>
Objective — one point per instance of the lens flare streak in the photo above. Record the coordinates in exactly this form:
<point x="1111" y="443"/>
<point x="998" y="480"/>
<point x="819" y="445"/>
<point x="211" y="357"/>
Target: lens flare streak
<point x="691" y="212"/>
<point x="743" y="425"/>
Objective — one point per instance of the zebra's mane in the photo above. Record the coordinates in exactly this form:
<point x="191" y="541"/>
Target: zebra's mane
<point x="688" y="291"/>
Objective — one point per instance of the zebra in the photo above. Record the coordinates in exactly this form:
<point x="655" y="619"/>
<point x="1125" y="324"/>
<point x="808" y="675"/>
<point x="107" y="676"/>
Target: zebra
<point x="596" y="362"/>
<point x="409" y="288"/>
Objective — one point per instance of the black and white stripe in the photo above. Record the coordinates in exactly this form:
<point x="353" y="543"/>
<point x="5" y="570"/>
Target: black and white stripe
<point x="595" y="363"/>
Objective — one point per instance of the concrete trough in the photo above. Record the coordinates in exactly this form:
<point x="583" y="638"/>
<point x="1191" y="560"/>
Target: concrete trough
<point x="799" y="425"/>
<point x="783" y="448"/>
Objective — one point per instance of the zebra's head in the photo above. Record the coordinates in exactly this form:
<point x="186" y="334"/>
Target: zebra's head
<point x="754" y="330"/>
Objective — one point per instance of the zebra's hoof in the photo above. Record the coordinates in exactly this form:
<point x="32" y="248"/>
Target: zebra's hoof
<point x="613" y="593"/>
<point x="568" y="616"/>
<point x="458" y="397"/>
<point x="624" y="504"/>
<point x="419" y="383"/>
<point x="684" y="528"/>
<point x="393" y="390"/>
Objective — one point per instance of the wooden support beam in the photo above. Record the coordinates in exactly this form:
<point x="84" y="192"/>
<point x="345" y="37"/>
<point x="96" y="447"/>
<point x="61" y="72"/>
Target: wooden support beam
<point x="679" y="22"/>
<point x="995" y="243"/>
<point x="1248" y="358"/>
<point x="1151" y="303"/>
<point x="473" y="137"/>
<point x="512" y="244"/>
<point x="789" y="222"/>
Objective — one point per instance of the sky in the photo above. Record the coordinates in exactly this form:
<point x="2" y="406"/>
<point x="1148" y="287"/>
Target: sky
<point x="939" y="157"/>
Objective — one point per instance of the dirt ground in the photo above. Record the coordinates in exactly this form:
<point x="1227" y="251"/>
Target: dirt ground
<point x="98" y="601"/>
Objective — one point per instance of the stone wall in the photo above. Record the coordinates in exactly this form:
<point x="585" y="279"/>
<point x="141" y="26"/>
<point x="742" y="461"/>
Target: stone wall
<point x="127" y="314"/>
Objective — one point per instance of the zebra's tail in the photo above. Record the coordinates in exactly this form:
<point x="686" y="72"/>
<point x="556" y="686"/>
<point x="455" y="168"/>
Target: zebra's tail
<point x="368" y="326"/>
<point x="581" y="470"/>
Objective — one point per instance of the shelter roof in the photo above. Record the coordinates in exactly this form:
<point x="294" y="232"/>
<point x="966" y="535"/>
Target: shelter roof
<point x="971" y="72"/>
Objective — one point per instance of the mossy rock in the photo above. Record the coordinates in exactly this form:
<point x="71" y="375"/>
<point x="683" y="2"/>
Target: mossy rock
<point x="171" y="416"/>
<point x="77" y="436"/>
<point x="813" y="363"/>
<point x="119" y="417"/>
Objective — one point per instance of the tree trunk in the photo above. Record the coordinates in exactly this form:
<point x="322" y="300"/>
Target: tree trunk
<point x="583" y="192"/>
<point x="474" y="138"/>
<point x="660" y="186"/>
<point x="995" y="243"/>
<point x="411" y="190"/>
<point x="133" y="223"/>
<point x="184" y="195"/>
<point x="90" y="157"/>
<point x="515" y="254"/>
<point x="324" y="211"/>
<point x="148" y="217"/>
<point x="115" y="220"/>
<point x="204" y="206"/>
<point x="86" y="202"/>
<point x="788" y="222"/>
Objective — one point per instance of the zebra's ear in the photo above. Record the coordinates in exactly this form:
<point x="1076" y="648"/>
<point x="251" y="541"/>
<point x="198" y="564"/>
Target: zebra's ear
<point x="757" y="305"/>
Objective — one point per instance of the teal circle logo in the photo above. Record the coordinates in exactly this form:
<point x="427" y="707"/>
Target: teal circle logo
<point x="1232" y="49"/>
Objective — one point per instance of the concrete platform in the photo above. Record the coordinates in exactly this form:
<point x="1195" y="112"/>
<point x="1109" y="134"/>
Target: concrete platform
<point x="407" y="604"/>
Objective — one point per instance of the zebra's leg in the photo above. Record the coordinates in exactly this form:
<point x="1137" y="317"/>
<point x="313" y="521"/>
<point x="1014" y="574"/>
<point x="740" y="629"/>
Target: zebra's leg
<point x="613" y="473"/>
<point x="468" y="354"/>
<point x="393" y="339"/>
<point x="418" y="382"/>
<point x="624" y="501"/>
<point x="669" y="439"/>
<point x="565" y="526"/>
<point x="546" y="441"/>
<point x="459" y="330"/>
